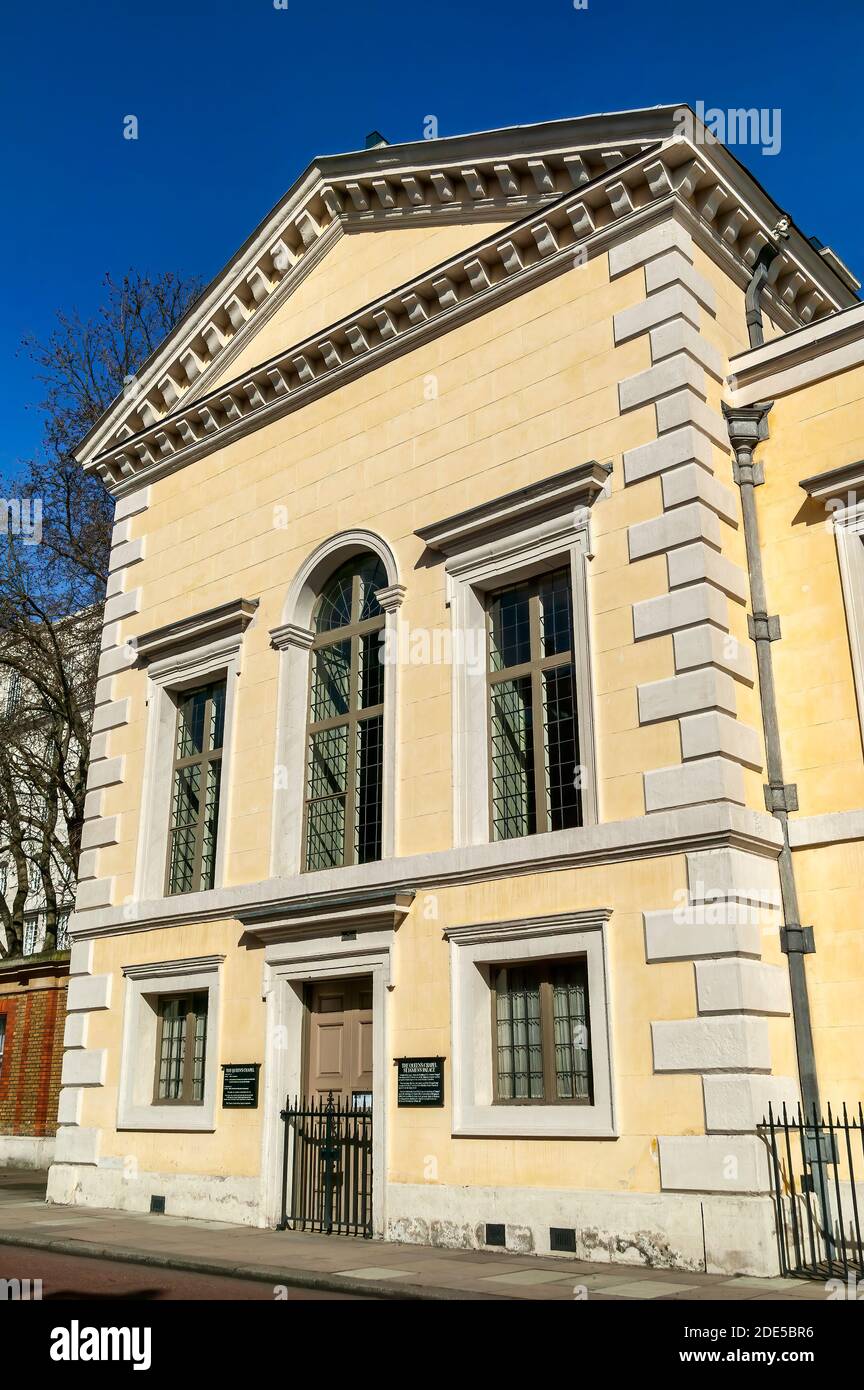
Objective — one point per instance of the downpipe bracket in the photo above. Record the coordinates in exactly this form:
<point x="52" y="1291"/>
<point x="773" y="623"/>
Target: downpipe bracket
<point x="781" y="796"/>
<point x="763" y="627"/>
<point x="796" y="940"/>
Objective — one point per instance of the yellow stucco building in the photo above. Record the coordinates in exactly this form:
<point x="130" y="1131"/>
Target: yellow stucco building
<point x="437" y="708"/>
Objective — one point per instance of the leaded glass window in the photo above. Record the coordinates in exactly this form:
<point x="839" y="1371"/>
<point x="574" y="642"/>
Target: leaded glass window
<point x="344" y="766"/>
<point x="534" y="745"/>
<point x="542" y="1043"/>
<point x="196" y="788"/>
<point x="180" y="1049"/>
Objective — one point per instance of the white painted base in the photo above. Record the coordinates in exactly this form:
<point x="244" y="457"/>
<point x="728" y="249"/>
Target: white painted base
<point x="653" y="1230"/>
<point x="110" y="1184"/>
<point x="24" y="1151"/>
<point x="666" y="1230"/>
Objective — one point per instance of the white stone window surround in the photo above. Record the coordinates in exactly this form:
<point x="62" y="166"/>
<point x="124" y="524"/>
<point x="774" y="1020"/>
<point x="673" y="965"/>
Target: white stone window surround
<point x="293" y="640"/>
<point x="144" y="983"/>
<point x="473" y="949"/>
<point x="168" y="678"/>
<point x="471" y="576"/>
<point x="849" y="531"/>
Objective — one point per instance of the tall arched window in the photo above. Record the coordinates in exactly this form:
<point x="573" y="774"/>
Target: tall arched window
<point x="344" y="760"/>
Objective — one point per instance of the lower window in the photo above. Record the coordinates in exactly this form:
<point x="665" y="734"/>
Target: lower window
<point x="542" y="1041"/>
<point x="181" y="1040"/>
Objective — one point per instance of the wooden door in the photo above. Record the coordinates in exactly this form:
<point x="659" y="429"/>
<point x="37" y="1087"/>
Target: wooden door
<point x="339" y="1041"/>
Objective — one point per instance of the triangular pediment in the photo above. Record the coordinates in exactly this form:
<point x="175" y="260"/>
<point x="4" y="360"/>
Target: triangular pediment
<point x="426" y="204"/>
<point x="477" y="180"/>
<point x="356" y="270"/>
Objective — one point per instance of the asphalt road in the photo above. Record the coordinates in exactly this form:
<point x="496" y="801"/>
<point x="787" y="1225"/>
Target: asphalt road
<point x="66" y="1277"/>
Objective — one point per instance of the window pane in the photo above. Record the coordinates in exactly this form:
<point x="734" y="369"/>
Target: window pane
<point x="563" y="802"/>
<point x="190" y="723"/>
<point x="173" y="1050"/>
<point x="334" y="608"/>
<point x="371" y="675"/>
<point x="555" y="619"/>
<point x="513" y="798"/>
<point x="328" y="762"/>
<point x="325" y="833"/>
<point x="370" y="751"/>
<point x="335" y="604"/>
<point x="182" y="870"/>
<point x="373" y="577"/>
<point x="331" y="678"/>
<point x="510" y="628"/>
<point x="572" y="1052"/>
<point x="199" y="1044"/>
<point x="211" y="820"/>
<point x="217" y="715"/>
<point x="327" y="785"/>
<point x="520" y="1048"/>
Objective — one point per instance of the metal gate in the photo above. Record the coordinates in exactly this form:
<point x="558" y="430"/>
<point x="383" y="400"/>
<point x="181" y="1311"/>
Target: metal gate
<point x="327" y="1163"/>
<point x="817" y="1192"/>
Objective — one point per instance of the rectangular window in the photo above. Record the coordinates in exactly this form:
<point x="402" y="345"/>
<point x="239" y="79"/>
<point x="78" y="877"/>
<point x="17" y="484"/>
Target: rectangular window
<point x="534" y="746"/>
<point x="181" y="1040"/>
<point x="196" y="787"/>
<point x="2" y="1042"/>
<point x="33" y="925"/>
<point x="63" y="940"/>
<point x="542" y="1045"/>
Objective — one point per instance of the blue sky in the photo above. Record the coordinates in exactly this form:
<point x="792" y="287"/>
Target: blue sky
<point x="235" y="97"/>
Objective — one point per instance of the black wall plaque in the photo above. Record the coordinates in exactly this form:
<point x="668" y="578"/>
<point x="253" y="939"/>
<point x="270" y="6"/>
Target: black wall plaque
<point x="240" y="1085"/>
<point x="420" y="1081"/>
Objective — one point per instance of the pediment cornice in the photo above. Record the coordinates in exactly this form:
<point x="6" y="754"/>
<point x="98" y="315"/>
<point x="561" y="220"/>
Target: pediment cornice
<point x="496" y="175"/>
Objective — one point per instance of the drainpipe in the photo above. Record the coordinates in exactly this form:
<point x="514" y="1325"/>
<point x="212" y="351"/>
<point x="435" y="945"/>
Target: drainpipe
<point x="753" y="293"/>
<point x="748" y="426"/>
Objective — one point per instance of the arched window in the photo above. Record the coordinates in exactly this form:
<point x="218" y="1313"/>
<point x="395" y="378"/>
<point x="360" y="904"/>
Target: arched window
<point x="344" y="759"/>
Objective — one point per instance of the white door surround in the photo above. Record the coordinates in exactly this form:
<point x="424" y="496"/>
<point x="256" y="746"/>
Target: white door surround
<point x="288" y="966"/>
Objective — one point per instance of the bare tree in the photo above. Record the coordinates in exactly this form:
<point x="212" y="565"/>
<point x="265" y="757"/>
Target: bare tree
<point x="52" y="588"/>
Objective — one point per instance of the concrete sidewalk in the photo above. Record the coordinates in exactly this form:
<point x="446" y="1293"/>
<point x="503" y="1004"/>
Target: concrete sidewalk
<point x="350" y="1265"/>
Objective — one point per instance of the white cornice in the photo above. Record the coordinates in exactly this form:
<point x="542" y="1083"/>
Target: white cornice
<point x="500" y="175"/>
<point x="714" y="826"/>
<point x="800" y="358"/>
<point x="360" y="913"/>
<point x="544" y="244"/>
<point x="229" y="620"/>
<point x="477" y="933"/>
<point x="844" y="484"/>
<point x="563" y="492"/>
<point x="164" y="969"/>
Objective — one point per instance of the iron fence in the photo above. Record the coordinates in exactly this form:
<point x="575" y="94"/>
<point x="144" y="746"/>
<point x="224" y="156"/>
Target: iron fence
<point x="817" y="1191"/>
<point x="327" y="1166"/>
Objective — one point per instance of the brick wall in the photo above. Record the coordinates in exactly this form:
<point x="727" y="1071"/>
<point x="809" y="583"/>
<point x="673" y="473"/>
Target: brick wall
<point x="33" y="1000"/>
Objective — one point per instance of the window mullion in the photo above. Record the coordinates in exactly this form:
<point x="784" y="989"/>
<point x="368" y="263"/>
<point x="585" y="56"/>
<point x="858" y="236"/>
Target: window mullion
<point x="188" y="1049"/>
<point x="351" y="788"/>
<point x="202" y="795"/>
<point x="537" y="729"/>
<point x="547" y="1015"/>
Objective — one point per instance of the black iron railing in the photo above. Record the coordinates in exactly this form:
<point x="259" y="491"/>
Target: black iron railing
<point x="327" y="1166"/>
<point x="817" y="1181"/>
